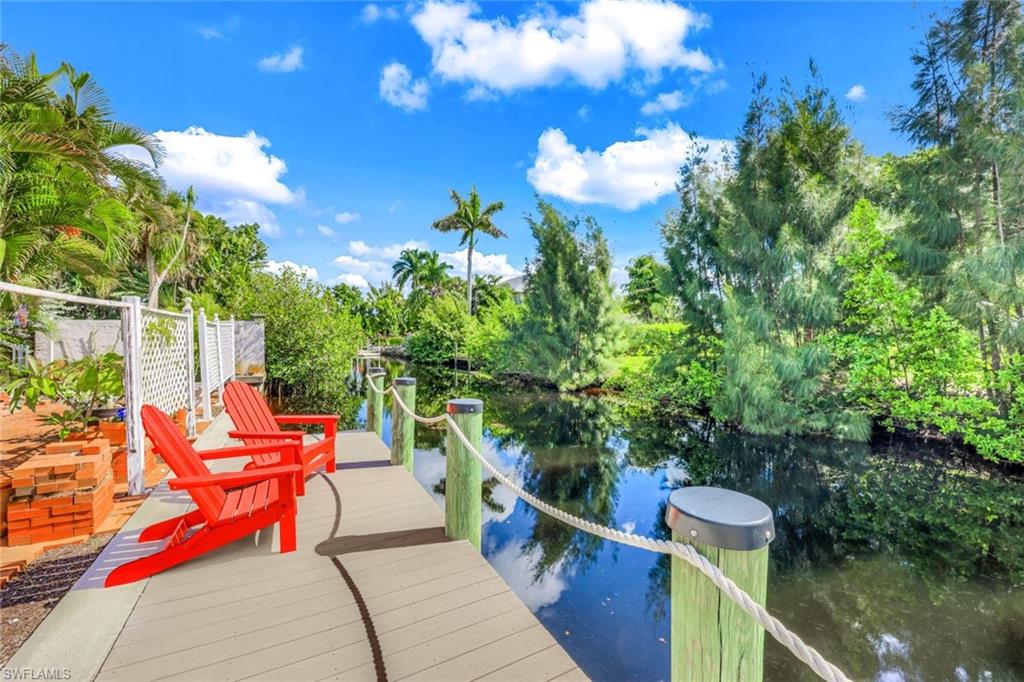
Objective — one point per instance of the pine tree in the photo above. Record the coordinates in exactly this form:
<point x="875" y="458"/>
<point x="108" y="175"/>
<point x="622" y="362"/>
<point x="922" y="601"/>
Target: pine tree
<point x="963" y="195"/>
<point x="751" y="258"/>
<point x="643" y="296"/>
<point x="569" y="328"/>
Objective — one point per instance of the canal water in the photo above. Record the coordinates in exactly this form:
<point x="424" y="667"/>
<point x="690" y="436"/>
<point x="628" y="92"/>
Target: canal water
<point x="895" y="563"/>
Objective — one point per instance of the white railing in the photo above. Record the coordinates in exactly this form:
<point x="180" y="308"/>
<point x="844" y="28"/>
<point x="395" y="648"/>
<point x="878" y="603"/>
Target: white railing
<point x="216" y="357"/>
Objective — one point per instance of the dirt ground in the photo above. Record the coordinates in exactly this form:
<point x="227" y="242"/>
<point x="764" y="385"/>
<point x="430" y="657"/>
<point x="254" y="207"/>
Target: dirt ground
<point x="29" y="596"/>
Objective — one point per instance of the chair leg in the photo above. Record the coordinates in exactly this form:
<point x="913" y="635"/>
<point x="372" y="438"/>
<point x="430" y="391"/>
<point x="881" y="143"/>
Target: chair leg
<point x="300" y="483"/>
<point x="287" y="527"/>
<point x="163" y="529"/>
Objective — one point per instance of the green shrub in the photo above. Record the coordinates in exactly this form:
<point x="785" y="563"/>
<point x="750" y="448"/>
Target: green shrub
<point x="310" y="338"/>
<point x="657" y="338"/>
<point x="441" y="330"/>
<point x="488" y="335"/>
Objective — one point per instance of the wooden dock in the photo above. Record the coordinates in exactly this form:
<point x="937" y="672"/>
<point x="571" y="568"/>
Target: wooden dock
<point x="374" y="592"/>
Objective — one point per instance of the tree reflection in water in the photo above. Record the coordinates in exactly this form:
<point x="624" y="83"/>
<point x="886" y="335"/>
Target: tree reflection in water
<point x="923" y="551"/>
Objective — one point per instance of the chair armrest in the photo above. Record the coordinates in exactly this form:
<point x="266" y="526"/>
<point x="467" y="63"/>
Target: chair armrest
<point x="247" y="450"/>
<point x="306" y="418"/>
<point x="235" y="478"/>
<point x="328" y="421"/>
<point x="268" y="435"/>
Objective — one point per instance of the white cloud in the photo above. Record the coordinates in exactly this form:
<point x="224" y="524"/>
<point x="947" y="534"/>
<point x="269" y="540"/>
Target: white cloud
<point x="282" y="63"/>
<point x="346" y="217"/>
<point x="398" y="88"/>
<point x="277" y="267"/>
<point x="325" y="231"/>
<point x="218" y="31"/>
<point x="665" y="102"/>
<point x="625" y="174"/>
<point x="373" y="12"/>
<point x="241" y="211"/>
<point x="358" y="247"/>
<point x="394" y="206"/>
<point x="857" y="93"/>
<point x="224" y="165"/>
<point x="352" y="279"/>
<point x="595" y="46"/>
<point x="483" y="263"/>
<point x="234" y="176"/>
<point x="583" y="113"/>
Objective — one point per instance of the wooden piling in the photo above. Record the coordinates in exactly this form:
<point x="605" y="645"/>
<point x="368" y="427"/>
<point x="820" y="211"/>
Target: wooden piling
<point x="375" y="401"/>
<point x="712" y="638"/>
<point x="403" y="428"/>
<point x="463" y="507"/>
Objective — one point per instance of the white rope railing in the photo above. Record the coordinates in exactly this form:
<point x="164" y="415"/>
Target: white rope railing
<point x="771" y="624"/>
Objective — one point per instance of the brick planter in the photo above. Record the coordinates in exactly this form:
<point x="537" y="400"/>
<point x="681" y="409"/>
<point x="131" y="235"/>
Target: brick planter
<point x="68" y="491"/>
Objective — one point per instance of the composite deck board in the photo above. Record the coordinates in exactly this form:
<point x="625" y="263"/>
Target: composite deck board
<point x="438" y="610"/>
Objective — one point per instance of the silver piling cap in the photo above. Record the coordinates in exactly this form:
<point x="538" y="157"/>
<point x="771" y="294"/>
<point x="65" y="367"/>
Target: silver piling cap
<point x="375" y="371"/>
<point x="465" y="406"/>
<point x="720" y="518"/>
<point x="404" y="381"/>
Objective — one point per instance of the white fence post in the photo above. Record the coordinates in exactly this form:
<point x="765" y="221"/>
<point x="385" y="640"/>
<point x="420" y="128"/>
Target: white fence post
<point x="131" y="331"/>
<point x="190" y="426"/>
<point x="231" y="354"/>
<point x="220" y="361"/>
<point x="204" y="366"/>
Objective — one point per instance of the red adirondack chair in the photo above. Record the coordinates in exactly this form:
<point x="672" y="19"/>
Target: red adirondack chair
<point x="229" y="505"/>
<point x="257" y="425"/>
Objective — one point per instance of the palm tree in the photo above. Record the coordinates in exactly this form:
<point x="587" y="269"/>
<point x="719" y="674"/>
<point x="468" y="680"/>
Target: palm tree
<point x="421" y="269"/>
<point x="433" y="272"/>
<point x="406" y="269"/>
<point x="469" y="218"/>
<point x="61" y="187"/>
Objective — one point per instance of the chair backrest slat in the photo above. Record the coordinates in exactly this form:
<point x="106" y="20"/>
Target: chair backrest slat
<point x="179" y="454"/>
<point x="249" y="411"/>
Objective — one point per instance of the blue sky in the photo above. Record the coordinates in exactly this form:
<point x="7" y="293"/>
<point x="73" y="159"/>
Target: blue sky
<point x="341" y="127"/>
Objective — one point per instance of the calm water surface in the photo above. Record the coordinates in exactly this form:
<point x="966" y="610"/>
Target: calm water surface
<point x="895" y="565"/>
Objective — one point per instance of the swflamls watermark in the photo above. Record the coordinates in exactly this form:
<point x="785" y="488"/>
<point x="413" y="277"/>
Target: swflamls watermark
<point x="35" y="674"/>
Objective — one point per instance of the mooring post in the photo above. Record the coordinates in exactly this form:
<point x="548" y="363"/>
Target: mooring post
<point x="375" y="400"/>
<point x="463" y="488"/>
<point x="403" y="428"/>
<point x="712" y="638"/>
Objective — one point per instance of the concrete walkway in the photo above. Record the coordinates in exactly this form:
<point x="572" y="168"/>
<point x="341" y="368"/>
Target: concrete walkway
<point x="374" y="592"/>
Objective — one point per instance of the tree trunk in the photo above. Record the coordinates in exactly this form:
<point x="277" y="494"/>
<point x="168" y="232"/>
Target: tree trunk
<point x="153" y="277"/>
<point x="156" y="279"/>
<point x="469" y="274"/>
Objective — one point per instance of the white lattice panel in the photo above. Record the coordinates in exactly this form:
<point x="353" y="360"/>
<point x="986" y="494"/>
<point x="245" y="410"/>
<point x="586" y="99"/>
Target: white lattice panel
<point x="165" y="360"/>
<point x="212" y="358"/>
<point x="227" y="359"/>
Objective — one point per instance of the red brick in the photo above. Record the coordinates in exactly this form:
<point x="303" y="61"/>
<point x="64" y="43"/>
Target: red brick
<point x="24" y="515"/>
<point x="96" y="446"/>
<point x="18" y="538"/>
<point x="63" y="447"/>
